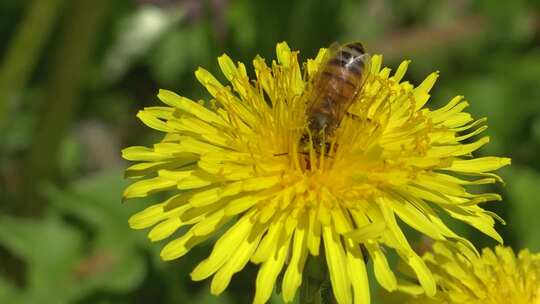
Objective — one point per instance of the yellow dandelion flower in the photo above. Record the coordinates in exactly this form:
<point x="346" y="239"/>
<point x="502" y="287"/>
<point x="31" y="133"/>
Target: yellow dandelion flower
<point x="239" y="165"/>
<point x="495" y="277"/>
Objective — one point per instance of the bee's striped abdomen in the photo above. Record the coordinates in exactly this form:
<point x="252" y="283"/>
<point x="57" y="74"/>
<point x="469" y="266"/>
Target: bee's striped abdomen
<point x="342" y="75"/>
<point x="339" y="80"/>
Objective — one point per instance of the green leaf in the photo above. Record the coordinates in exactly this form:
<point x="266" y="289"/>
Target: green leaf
<point x="116" y="248"/>
<point x="59" y="257"/>
<point x="51" y="250"/>
<point x="8" y="293"/>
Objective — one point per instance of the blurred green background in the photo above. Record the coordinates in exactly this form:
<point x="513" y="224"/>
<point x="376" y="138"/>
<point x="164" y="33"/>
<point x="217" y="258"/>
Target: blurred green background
<point x="74" y="73"/>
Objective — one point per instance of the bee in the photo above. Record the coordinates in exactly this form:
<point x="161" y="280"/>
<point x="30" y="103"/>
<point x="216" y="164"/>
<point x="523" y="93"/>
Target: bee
<point x="334" y="87"/>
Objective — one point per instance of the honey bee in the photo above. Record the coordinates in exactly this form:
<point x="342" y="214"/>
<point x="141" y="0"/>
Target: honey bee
<point x="334" y="87"/>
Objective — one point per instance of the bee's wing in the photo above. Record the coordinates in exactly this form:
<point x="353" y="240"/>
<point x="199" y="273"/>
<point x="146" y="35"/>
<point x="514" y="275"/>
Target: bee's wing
<point x="366" y="70"/>
<point x="317" y="87"/>
<point x="366" y="58"/>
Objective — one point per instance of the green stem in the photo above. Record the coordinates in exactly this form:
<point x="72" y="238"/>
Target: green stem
<point x="310" y="293"/>
<point x="60" y="102"/>
<point x="23" y="52"/>
<point x="315" y="275"/>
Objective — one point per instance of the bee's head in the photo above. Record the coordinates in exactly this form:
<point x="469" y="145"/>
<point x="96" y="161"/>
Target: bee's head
<point x="318" y="123"/>
<point x="320" y="127"/>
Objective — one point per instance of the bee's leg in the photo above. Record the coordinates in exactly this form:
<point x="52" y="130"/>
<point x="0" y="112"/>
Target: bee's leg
<point x="281" y="154"/>
<point x="327" y="147"/>
<point x="287" y="153"/>
<point x="365" y="120"/>
<point x="357" y="117"/>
